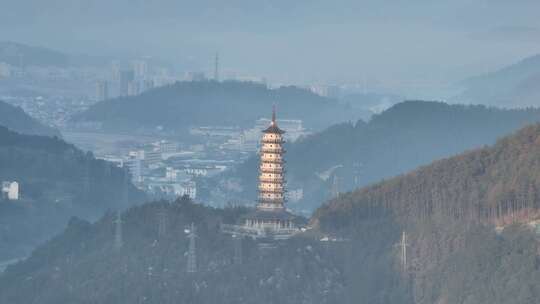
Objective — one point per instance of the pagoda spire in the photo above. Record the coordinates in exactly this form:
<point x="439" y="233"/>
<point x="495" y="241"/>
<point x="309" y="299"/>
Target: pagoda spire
<point x="273" y="114"/>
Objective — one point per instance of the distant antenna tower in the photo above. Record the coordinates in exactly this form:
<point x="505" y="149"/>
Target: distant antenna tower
<point x="118" y="239"/>
<point x="216" y="67"/>
<point x="237" y="241"/>
<point x="335" y="186"/>
<point x="192" y="254"/>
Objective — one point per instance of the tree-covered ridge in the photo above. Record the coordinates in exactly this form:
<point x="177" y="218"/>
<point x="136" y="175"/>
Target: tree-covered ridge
<point x="491" y="183"/>
<point x="185" y="104"/>
<point x="56" y="181"/>
<point x="448" y="211"/>
<point x="407" y="135"/>
<point x="17" y="120"/>
<point x="83" y="266"/>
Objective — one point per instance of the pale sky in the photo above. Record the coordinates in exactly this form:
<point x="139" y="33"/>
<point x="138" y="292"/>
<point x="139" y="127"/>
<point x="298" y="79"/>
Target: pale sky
<point x="386" y="42"/>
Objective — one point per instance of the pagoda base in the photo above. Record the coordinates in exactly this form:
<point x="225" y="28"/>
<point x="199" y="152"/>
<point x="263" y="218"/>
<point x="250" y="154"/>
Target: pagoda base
<point x="265" y="224"/>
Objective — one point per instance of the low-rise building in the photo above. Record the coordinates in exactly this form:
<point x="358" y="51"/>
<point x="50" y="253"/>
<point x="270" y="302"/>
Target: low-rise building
<point x="10" y="190"/>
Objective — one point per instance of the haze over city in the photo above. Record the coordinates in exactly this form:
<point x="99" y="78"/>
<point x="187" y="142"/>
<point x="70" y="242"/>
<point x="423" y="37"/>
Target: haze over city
<point x="402" y="46"/>
<point x="321" y="152"/>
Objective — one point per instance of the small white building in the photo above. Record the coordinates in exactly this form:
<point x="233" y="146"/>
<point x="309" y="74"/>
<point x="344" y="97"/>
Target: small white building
<point x="10" y="190"/>
<point x="295" y="195"/>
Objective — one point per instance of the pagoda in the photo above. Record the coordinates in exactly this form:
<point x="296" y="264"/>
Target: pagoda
<point x="270" y="218"/>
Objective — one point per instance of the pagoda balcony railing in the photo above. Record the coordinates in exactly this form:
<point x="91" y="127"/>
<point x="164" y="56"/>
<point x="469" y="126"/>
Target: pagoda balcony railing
<point x="272" y="141"/>
<point x="273" y="161"/>
<point x="275" y="180"/>
<point x="271" y="190"/>
<point x="255" y="232"/>
<point x="272" y="150"/>
<point x="272" y="170"/>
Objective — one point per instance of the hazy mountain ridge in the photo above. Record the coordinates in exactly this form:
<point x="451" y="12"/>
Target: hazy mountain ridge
<point x="184" y="104"/>
<point x="401" y="138"/>
<point x="512" y="86"/>
<point x="56" y="181"/>
<point x="24" y="55"/>
<point x="17" y="120"/>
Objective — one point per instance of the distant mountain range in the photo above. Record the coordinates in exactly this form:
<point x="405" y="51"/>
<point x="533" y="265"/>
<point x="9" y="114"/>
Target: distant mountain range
<point x="347" y="156"/>
<point x="177" y="107"/>
<point x="17" y="120"/>
<point x="56" y="181"/>
<point x="512" y="86"/>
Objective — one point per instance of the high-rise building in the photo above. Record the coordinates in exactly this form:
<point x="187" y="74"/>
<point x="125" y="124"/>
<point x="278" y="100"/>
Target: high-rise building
<point x="140" y="69"/>
<point x="102" y="90"/>
<point x="133" y="88"/>
<point x="126" y="77"/>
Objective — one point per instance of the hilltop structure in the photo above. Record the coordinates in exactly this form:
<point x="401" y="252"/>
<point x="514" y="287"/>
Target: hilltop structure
<point x="10" y="190"/>
<point x="270" y="219"/>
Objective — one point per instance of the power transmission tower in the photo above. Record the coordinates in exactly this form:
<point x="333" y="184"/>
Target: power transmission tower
<point x="118" y="238"/>
<point x="403" y="244"/>
<point x="192" y="254"/>
<point x="162" y="223"/>
<point x="237" y="241"/>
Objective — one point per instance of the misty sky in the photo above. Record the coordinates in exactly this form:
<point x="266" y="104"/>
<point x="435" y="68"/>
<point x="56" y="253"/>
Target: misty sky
<point x="389" y="43"/>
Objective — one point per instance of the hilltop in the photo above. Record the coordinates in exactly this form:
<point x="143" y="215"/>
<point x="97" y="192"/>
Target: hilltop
<point x="17" y="120"/>
<point x="408" y="135"/>
<point x="19" y="54"/>
<point x="151" y="267"/>
<point x="177" y="107"/>
<point x="56" y="181"/>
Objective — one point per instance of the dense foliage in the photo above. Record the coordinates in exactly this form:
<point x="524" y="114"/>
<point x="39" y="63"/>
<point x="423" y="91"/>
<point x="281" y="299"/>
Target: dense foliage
<point x="17" y="120"/>
<point x="185" y="104"/>
<point x="56" y="181"/>
<point x="408" y="135"/>
<point x="83" y="266"/>
<point x="449" y="210"/>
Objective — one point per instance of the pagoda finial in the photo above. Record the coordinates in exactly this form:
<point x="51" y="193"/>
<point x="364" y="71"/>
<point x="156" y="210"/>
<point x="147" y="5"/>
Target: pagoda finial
<point x="273" y="114"/>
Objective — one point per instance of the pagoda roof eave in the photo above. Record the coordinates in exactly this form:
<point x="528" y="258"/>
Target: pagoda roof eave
<point x="273" y="129"/>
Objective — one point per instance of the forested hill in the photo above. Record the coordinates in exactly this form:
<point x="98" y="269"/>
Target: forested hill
<point x="83" y="266"/>
<point x="17" y="120"/>
<point x="448" y="211"/>
<point x="185" y="104"/>
<point x="407" y="135"/>
<point x="491" y="184"/>
<point x="56" y="181"/>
